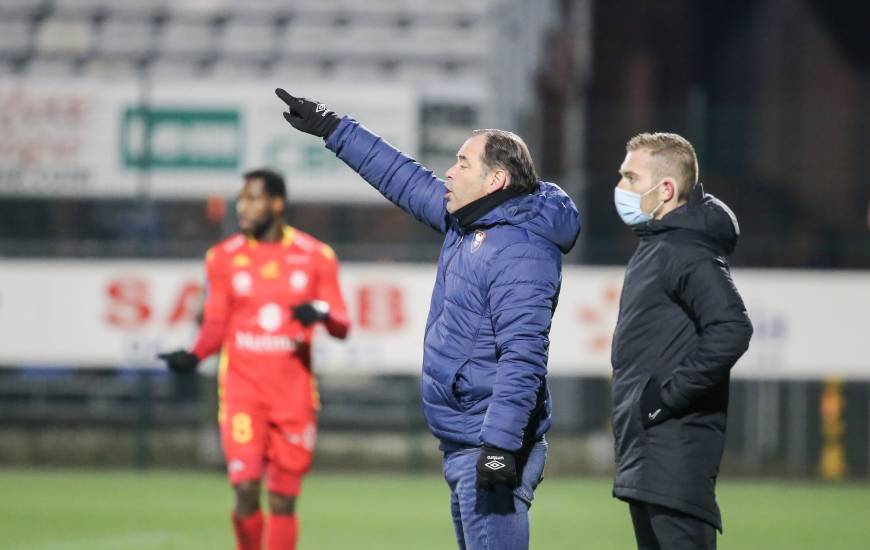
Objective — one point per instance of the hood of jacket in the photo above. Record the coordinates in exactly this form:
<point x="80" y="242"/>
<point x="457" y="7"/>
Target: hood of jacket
<point x="548" y="212"/>
<point x="703" y="214"/>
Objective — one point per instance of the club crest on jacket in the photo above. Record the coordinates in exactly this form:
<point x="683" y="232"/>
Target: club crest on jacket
<point x="479" y="236"/>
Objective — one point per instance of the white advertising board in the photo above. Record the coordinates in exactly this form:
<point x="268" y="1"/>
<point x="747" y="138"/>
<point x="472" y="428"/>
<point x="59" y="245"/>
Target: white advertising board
<point x="119" y="314"/>
<point x="80" y="138"/>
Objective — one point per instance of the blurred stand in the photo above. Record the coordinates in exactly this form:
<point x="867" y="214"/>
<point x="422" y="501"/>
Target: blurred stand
<point x="773" y="93"/>
<point x="374" y="423"/>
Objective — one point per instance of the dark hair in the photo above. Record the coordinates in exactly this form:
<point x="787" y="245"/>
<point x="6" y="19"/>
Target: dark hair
<point x="273" y="182"/>
<point x="508" y="151"/>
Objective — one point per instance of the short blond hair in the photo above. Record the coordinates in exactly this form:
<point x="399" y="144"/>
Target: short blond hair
<point x="676" y="158"/>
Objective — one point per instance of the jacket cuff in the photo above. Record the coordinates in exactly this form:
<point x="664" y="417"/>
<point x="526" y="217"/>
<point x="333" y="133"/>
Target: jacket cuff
<point x="494" y="437"/>
<point x="333" y="138"/>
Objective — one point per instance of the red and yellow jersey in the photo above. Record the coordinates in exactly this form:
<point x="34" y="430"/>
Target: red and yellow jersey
<point x="252" y="288"/>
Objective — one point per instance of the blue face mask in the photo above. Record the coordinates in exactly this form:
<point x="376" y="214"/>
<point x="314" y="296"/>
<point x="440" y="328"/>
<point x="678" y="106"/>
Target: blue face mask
<point x="628" y="206"/>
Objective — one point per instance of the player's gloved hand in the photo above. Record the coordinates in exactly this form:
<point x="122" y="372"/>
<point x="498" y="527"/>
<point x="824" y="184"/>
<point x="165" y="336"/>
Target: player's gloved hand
<point x="496" y="467"/>
<point x="311" y="312"/>
<point x="180" y="360"/>
<point x="308" y="116"/>
<point x="653" y="409"/>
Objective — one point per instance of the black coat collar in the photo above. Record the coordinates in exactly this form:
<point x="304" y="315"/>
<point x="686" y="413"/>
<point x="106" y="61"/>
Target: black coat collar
<point x="473" y="211"/>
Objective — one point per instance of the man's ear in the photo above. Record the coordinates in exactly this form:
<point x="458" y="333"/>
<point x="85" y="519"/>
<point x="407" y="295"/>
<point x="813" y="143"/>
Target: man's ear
<point x="278" y="205"/>
<point x="668" y="189"/>
<point x="499" y="179"/>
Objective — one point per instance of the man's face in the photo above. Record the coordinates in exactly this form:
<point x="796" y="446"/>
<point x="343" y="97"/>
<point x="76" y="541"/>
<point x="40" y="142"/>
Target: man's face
<point x="639" y="176"/>
<point x="467" y="180"/>
<point x="255" y="209"/>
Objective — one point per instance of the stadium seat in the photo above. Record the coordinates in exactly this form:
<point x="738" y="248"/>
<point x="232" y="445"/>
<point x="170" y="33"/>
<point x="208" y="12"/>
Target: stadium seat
<point x="201" y="8"/>
<point x="361" y="71"/>
<point x="130" y="8"/>
<point x="452" y="8"/>
<point x="132" y="38"/>
<point x="447" y="43"/>
<point x="381" y="42"/>
<point x="8" y="68"/>
<point x="187" y="39"/>
<point x="329" y="8"/>
<point x="374" y="11"/>
<point x="371" y="11"/>
<point x="232" y="69"/>
<point x="78" y="8"/>
<point x="248" y="40"/>
<point x="21" y="8"/>
<point x="174" y="68"/>
<point x="304" y="40"/>
<point x="15" y="38"/>
<point x="267" y="9"/>
<point x="51" y="67"/>
<point x="417" y="71"/>
<point x="301" y="68"/>
<point x="67" y="37"/>
<point x="111" y="68"/>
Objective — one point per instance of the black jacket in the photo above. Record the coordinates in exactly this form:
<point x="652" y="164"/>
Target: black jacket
<point x="681" y="327"/>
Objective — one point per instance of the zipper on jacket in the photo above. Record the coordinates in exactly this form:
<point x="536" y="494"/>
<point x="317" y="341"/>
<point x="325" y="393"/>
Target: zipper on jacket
<point x="447" y="262"/>
<point x="450" y="259"/>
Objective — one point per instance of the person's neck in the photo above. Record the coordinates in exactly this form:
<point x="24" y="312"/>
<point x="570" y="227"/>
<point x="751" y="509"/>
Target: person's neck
<point x="273" y="234"/>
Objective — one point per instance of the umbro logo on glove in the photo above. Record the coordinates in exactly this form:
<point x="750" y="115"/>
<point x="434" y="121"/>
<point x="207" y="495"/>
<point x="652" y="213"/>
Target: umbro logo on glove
<point x="496" y="467"/>
<point x="494" y="463"/>
<point x="306" y="115"/>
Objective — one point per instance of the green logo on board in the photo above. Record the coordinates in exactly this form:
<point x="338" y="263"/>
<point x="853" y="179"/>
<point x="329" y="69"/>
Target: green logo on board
<point x="181" y="138"/>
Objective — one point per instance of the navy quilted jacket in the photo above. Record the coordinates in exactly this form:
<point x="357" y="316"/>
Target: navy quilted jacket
<point x="487" y="336"/>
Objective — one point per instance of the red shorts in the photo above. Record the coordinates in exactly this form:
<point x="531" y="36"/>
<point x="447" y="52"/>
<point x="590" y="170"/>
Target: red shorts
<point x="256" y="439"/>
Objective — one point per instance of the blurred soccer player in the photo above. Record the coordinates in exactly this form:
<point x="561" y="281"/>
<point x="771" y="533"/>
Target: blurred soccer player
<point x="484" y="385"/>
<point x="267" y="288"/>
<point x="681" y="327"/>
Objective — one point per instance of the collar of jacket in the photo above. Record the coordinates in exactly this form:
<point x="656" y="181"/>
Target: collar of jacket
<point x="473" y="211"/>
<point x="653" y="227"/>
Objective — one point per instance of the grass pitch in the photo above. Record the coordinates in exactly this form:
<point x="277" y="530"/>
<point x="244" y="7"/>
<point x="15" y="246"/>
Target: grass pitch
<point x="73" y="510"/>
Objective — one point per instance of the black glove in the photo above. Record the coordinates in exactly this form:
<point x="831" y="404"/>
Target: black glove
<point x="308" y="116"/>
<point x="496" y="467"/>
<point x="311" y="312"/>
<point x="652" y="408"/>
<point x="180" y="360"/>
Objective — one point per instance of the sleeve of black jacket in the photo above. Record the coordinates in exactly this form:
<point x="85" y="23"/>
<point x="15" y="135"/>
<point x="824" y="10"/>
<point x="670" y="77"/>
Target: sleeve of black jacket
<point x="708" y="294"/>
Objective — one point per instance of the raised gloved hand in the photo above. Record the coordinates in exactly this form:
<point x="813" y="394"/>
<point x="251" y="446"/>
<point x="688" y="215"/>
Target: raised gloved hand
<point x="311" y="312"/>
<point x="653" y="409"/>
<point x="308" y="116"/>
<point x="496" y="467"/>
<point x="180" y="360"/>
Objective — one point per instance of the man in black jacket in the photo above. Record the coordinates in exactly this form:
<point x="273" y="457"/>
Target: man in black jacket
<point x="681" y="327"/>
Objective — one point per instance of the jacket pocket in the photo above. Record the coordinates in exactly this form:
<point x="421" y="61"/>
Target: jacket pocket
<point x="636" y="411"/>
<point x="463" y="385"/>
<point x="638" y="391"/>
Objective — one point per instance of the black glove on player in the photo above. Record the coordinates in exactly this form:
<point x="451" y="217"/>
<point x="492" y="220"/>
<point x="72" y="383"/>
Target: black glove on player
<point x="308" y="116"/>
<point x="311" y="312"/>
<point x="180" y="360"/>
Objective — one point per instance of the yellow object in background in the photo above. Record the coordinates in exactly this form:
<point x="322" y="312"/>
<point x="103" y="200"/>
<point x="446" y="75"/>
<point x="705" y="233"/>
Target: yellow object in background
<point x="832" y="460"/>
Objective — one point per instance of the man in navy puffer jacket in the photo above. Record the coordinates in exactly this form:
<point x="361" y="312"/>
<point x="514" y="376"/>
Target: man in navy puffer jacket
<point x="485" y="348"/>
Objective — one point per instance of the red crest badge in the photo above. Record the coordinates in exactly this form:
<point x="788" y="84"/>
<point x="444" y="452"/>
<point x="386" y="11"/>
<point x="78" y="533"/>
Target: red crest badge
<point x="479" y="236"/>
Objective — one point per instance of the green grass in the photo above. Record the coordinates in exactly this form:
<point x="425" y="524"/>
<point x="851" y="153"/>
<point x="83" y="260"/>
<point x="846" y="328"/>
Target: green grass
<point x="71" y="510"/>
